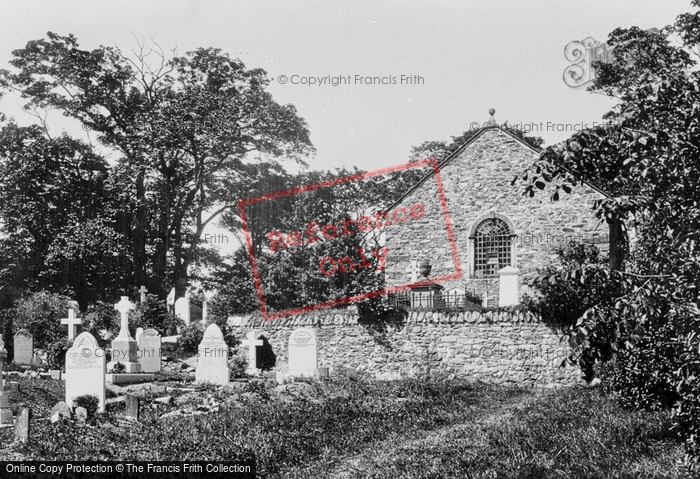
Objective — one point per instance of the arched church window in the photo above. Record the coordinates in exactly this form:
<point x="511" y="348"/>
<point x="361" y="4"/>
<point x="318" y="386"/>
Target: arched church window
<point x="492" y="247"/>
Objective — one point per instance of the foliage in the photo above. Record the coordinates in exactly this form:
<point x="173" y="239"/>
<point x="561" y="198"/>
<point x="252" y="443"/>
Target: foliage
<point x="190" y="337"/>
<point x="40" y="314"/>
<point x="646" y="158"/>
<point x="154" y="314"/>
<point x="102" y="321"/>
<point x="118" y="368"/>
<point x="184" y="128"/>
<point x="89" y="402"/>
<point x="237" y="365"/>
<point x="409" y="428"/>
<point x="56" y="353"/>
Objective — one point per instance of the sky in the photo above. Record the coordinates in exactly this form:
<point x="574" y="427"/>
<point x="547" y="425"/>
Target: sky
<point x="458" y="60"/>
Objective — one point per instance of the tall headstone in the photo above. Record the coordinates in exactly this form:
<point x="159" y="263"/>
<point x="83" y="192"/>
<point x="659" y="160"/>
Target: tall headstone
<point x="24" y="347"/>
<point x="149" y="351"/>
<point x="508" y="293"/>
<point x="182" y="309"/>
<point x="212" y="361"/>
<point x="5" y="411"/>
<point x="71" y="321"/>
<point x="22" y="430"/>
<point x="85" y="370"/>
<point x="124" y="347"/>
<point x="208" y="295"/>
<point x="252" y="343"/>
<point x="303" y="352"/>
<point x="170" y="301"/>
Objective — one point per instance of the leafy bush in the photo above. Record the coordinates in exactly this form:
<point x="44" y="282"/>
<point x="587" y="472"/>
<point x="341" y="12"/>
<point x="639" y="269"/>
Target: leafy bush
<point x="56" y="353"/>
<point x="41" y="313"/>
<point x="190" y="337"/>
<point x="118" y="368"/>
<point x="102" y="321"/>
<point x="237" y="364"/>
<point x="154" y="314"/>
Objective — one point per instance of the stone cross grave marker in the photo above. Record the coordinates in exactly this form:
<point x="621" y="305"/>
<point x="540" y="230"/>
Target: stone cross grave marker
<point x="303" y="352"/>
<point x="182" y="309"/>
<point x="143" y="292"/>
<point x="72" y="322"/>
<point x="149" y="351"/>
<point x="24" y="347"/>
<point x="212" y="360"/>
<point x="252" y="343"/>
<point x="124" y="347"/>
<point x="85" y="370"/>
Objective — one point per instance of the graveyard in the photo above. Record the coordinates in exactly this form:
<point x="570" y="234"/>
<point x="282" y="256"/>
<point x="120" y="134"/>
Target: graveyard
<point x="431" y="288"/>
<point x="306" y="420"/>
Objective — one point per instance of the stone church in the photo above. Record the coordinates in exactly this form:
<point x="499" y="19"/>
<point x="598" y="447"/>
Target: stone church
<point x="500" y="236"/>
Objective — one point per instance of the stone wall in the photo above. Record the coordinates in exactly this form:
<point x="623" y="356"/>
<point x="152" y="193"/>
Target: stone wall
<point x="498" y="347"/>
<point x="476" y="182"/>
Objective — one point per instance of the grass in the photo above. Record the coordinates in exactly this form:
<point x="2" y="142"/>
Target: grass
<point x="406" y="429"/>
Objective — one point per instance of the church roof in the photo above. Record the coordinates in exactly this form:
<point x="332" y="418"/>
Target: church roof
<point x="492" y="125"/>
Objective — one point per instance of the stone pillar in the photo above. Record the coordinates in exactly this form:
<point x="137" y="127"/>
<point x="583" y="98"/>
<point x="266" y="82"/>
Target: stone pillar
<point x="508" y="291"/>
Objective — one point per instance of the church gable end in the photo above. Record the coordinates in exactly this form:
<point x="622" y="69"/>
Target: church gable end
<point x="495" y="225"/>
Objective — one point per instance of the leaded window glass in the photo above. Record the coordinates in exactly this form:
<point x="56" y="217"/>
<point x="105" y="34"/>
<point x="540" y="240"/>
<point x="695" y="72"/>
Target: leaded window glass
<point x="492" y="247"/>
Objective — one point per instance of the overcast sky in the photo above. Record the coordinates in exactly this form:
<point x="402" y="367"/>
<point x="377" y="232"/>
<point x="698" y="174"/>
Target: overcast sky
<point x="470" y="55"/>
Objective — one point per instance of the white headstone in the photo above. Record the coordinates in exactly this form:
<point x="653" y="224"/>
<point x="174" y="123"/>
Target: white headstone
<point x="303" y="352"/>
<point x="85" y="370"/>
<point x="72" y="322"/>
<point x="139" y="332"/>
<point x="508" y="294"/>
<point x="124" y="306"/>
<point x="170" y="301"/>
<point x="182" y="309"/>
<point x="149" y="351"/>
<point x="212" y="357"/>
<point x="251" y="342"/>
<point x="208" y="295"/>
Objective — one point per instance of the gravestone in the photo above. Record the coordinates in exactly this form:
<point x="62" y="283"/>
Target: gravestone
<point x="303" y="352"/>
<point x="124" y="347"/>
<point x="170" y="301"/>
<point x="22" y="426"/>
<point x="139" y="332"/>
<point x="208" y="295"/>
<point x="149" y="351"/>
<point x="182" y="309"/>
<point x="85" y="370"/>
<point x="212" y="362"/>
<point x="36" y="361"/>
<point x="24" y="347"/>
<point x="143" y="292"/>
<point x="5" y="411"/>
<point x="71" y="321"/>
<point x="132" y="406"/>
<point x="252" y="343"/>
<point x="60" y="410"/>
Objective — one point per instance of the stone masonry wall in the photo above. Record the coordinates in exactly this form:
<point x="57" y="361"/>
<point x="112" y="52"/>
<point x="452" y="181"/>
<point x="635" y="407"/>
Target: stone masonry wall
<point x="512" y="348"/>
<point x="475" y="183"/>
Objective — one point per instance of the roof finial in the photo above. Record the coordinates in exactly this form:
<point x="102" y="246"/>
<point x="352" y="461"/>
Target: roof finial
<point x="492" y="120"/>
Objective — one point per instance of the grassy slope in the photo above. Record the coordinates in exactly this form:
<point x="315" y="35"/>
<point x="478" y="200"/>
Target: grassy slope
<point x="407" y="429"/>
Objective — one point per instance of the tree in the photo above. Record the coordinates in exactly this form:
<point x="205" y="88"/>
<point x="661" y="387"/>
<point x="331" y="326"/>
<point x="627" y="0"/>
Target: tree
<point x="55" y="202"/>
<point x="646" y="157"/>
<point x="185" y="129"/>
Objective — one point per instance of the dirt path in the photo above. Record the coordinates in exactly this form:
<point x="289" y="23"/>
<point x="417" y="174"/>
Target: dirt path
<point x="380" y="456"/>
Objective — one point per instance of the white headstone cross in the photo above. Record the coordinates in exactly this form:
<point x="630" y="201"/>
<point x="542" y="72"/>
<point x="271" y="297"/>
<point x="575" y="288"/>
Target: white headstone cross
<point x="143" y="292"/>
<point x="251" y="343"/>
<point x="124" y="306"/>
<point x="412" y="270"/>
<point x="72" y="322"/>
